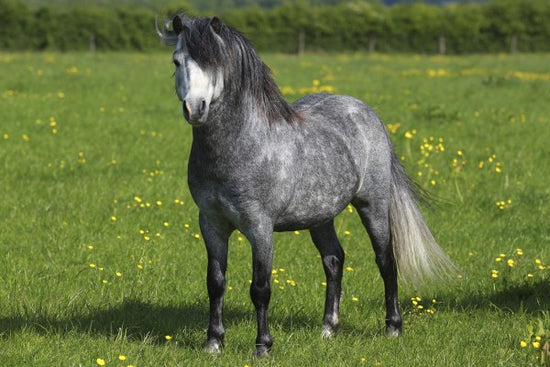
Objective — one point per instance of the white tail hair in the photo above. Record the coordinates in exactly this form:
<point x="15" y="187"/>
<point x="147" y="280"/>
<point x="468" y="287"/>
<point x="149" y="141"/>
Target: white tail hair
<point x="419" y="258"/>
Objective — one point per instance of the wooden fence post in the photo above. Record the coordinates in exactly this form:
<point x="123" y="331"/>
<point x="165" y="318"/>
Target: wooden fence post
<point x="442" y="45"/>
<point x="92" y="44"/>
<point x="301" y="42"/>
<point x="514" y="44"/>
<point x="372" y="43"/>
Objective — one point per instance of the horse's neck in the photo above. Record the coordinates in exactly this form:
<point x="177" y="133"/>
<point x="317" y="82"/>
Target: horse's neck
<point x="228" y="134"/>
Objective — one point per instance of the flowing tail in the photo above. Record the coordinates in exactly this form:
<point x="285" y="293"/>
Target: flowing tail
<point x="419" y="258"/>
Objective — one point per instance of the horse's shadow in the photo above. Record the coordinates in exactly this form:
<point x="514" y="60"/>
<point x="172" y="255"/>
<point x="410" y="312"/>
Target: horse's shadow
<point x="138" y="320"/>
<point x="132" y="319"/>
<point x="135" y="320"/>
<point x="529" y="298"/>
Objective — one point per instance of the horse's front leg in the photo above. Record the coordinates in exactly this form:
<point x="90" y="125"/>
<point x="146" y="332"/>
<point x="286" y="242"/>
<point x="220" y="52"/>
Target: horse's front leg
<point x="261" y="239"/>
<point x="216" y="236"/>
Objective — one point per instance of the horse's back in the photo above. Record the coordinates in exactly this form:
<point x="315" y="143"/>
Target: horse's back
<point x="350" y="119"/>
<point x="357" y="127"/>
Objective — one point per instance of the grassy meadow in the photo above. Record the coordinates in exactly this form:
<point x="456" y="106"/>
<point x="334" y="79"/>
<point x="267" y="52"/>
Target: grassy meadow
<point x="102" y="262"/>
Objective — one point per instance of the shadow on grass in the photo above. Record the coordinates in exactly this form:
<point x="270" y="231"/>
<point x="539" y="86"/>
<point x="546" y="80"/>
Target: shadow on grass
<point x="135" y="320"/>
<point x="529" y="298"/>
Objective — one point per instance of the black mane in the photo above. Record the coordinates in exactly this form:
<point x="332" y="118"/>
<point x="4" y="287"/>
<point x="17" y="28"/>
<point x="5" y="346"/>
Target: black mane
<point x="242" y="68"/>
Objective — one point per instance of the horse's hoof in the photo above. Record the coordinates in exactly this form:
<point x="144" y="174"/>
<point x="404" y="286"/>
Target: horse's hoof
<point x="213" y="346"/>
<point x="393" y="331"/>
<point x="261" y="352"/>
<point x="328" y="332"/>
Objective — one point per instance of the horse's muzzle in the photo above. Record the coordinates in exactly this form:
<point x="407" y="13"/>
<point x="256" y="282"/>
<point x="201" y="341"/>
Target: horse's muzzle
<point x="195" y="112"/>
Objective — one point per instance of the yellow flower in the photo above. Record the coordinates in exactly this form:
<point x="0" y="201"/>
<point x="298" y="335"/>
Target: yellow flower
<point x="536" y="345"/>
<point x="113" y="218"/>
<point x="354" y="299"/>
<point x="522" y="344"/>
<point x="121" y="358"/>
<point x="409" y="135"/>
<point x="392" y="128"/>
<point x="347" y="233"/>
<point x="100" y="362"/>
<point x="511" y="263"/>
<point x="168" y="337"/>
<point x="519" y="252"/>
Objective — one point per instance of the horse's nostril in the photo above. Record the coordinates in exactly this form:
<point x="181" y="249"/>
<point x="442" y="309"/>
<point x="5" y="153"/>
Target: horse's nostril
<point x="203" y="108"/>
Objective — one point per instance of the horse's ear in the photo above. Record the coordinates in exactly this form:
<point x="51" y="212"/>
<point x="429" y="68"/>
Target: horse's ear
<point x="177" y="24"/>
<point x="216" y="24"/>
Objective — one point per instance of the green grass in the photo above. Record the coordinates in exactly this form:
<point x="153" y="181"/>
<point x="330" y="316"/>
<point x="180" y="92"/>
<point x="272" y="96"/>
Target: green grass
<point x="87" y="139"/>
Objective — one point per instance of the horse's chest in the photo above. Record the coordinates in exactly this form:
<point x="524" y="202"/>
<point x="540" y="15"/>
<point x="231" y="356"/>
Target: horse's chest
<point x="215" y="195"/>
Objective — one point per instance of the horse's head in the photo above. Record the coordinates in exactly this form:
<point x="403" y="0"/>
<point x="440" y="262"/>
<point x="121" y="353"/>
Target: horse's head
<point x="197" y="55"/>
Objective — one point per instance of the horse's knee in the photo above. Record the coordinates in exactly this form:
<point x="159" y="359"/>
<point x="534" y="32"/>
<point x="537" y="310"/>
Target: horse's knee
<point x="260" y="293"/>
<point x="215" y="284"/>
<point x="333" y="266"/>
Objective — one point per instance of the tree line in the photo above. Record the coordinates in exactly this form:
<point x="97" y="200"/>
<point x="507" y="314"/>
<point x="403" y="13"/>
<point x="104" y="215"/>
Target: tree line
<point x="457" y="28"/>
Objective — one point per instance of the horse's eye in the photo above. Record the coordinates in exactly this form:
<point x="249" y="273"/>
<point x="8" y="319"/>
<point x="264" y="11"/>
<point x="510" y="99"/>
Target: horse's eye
<point x="176" y="62"/>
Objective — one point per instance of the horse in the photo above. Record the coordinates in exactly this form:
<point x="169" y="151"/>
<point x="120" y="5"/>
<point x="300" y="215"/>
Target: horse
<point x="259" y="164"/>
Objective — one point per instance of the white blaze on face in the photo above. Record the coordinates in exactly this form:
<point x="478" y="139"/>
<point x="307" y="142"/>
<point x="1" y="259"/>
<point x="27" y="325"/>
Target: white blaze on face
<point x="202" y="85"/>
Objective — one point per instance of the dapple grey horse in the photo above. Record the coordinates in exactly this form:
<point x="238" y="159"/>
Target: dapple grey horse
<point x="259" y="165"/>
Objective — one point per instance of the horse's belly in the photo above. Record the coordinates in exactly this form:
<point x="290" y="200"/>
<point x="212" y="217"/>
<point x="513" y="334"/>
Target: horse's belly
<point x="311" y="211"/>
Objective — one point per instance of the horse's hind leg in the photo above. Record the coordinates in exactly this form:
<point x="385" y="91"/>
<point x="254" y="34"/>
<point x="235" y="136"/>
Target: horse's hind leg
<point x="324" y="238"/>
<point x="375" y="218"/>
